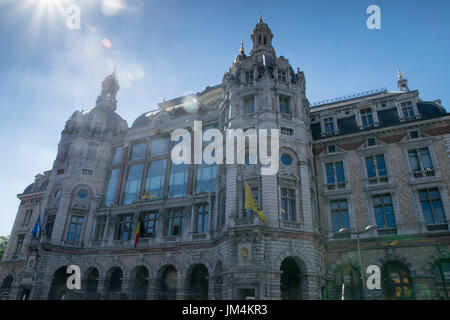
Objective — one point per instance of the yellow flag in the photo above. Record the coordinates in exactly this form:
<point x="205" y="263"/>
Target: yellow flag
<point x="250" y="202"/>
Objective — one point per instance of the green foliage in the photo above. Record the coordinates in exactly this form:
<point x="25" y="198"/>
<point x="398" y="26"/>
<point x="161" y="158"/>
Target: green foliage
<point x="3" y="243"/>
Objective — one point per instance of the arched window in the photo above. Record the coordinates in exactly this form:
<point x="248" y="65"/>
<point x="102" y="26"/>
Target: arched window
<point x="139" y="283"/>
<point x="396" y="281"/>
<point x="198" y="283"/>
<point x="442" y="278"/>
<point x="347" y="283"/>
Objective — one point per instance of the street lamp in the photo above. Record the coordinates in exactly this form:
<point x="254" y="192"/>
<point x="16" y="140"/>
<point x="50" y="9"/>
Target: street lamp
<point x="357" y="233"/>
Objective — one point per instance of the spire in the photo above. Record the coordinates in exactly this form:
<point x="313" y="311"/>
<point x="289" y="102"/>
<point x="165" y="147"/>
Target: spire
<point x="260" y="18"/>
<point x="399" y="74"/>
<point x="402" y="83"/>
<point x="110" y="87"/>
<point x="241" y="51"/>
<point x="262" y="40"/>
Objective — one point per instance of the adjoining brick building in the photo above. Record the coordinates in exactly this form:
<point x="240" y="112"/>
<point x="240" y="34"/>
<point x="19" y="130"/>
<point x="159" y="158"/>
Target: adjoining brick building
<point x="380" y="158"/>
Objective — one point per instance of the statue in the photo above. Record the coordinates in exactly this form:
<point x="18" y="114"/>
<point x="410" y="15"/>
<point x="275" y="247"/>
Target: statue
<point x="110" y="87"/>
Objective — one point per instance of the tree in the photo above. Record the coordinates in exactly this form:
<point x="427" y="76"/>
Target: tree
<point x="3" y="243"/>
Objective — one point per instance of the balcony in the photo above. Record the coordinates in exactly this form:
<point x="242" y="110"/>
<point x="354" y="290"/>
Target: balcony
<point x="387" y="231"/>
<point x="377" y="180"/>
<point x="342" y="235"/>
<point x="199" y="236"/>
<point x="245" y="222"/>
<point x="172" y="238"/>
<point x="423" y="174"/>
<point x="71" y="243"/>
<point x="335" y="186"/>
<point x="292" y="225"/>
<point x="437" y="227"/>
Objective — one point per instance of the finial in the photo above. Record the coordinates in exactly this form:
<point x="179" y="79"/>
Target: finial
<point x="241" y="51"/>
<point x="399" y="74"/>
<point x="260" y="18"/>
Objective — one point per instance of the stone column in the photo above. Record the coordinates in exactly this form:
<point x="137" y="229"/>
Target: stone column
<point x="305" y="190"/>
<point x="90" y="222"/>
<point x="61" y="218"/>
<point x="126" y="287"/>
<point x="231" y="196"/>
<point x="153" y="288"/>
<point x="270" y="199"/>
<point x="211" y="280"/>
<point x="181" y="288"/>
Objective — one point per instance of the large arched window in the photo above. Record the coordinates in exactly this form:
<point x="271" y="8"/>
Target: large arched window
<point x="347" y="283"/>
<point x="442" y="278"/>
<point x="397" y="281"/>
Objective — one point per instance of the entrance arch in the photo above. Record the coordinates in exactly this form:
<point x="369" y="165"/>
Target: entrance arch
<point x="58" y="287"/>
<point x="114" y="283"/>
<point x="92" y="276"/>
<point x="167" y="280"/>
<point x="139" y="280"/>
<point x="290" y="280"/>
<point x="198" y="282"/>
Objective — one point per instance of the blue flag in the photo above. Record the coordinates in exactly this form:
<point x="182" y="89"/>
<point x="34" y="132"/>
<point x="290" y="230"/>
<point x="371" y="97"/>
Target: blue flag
<point x="37" y="227"/>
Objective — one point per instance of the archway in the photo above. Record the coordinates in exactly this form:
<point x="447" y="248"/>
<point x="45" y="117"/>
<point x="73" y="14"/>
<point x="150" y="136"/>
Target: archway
<point x="114" y="284"/>
<point x="290" y="280"/>
<point x="441" y="271"/>
<point x="397" y="284"/>
<point x="139" y="283"/>
<point x="92" y="276"/>
<point x="168" y="283"/>
<point x="5" y="289"/>
<point x="347" y="284"/>
<point x="58" y="287"/>
<point x="198" y="282"/>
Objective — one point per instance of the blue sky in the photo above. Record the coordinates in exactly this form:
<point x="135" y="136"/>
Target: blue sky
<point x="168" y="48"/>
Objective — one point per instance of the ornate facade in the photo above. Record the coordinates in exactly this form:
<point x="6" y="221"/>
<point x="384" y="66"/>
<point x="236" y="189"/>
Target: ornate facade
<point x="376" y="159"/>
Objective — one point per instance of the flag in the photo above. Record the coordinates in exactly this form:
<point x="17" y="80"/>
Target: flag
<point x="250" y="202"/>
<point x="136" y="235"/>
<point x="37" y="227"/>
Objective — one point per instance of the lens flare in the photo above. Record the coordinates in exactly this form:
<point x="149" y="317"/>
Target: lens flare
<point x="106" y="43"/>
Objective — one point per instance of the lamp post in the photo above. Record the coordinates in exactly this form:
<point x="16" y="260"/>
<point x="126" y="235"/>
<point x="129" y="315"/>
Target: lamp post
<point x="358" y="233"/>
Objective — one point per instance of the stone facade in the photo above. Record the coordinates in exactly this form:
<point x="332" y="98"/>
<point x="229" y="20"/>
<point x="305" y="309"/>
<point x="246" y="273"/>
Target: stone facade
<point x="108" y="178"/>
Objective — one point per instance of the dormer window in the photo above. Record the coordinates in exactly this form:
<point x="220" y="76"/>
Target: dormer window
<point x="371" y="142"/>
<point x="282" y="76"/>
<point x="328" y="125"/>
<point x="407" y="109"/>
<point x="367" y="117"/>
<point x="332" y="149"/>
<point x="414" y="135"/>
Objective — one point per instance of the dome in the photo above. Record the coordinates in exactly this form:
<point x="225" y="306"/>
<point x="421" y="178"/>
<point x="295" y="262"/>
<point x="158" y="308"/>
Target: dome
<point x="28" y="189"/>
<point x="430" y="109"/>
<point x="144" y="119"/>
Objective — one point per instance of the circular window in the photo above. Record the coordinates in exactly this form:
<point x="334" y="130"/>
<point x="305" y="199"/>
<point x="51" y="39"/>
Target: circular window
<point x="57" y="194"/>
<point x="82" y="193"/>
<point x="286" y="159"/>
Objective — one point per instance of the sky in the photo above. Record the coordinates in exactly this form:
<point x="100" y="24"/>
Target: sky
<point x="164" y="49"/>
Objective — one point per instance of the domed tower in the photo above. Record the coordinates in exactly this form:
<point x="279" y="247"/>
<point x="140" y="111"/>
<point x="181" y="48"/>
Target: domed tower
<point x="262" y="91"/>
<point x="79" y="169"/>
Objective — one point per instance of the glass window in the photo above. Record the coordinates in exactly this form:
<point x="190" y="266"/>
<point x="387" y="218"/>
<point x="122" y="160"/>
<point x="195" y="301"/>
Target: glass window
<point x="286" y="159"/>
<point x="100" y="227"/>
<point x="288" y="211"/>
<point x="75" y="227"/>
<point x="159" y="147"/>
<point x="433" y="211"/>
<point x="249" y="213"/>
<point x="408" y="110"/>
<point x="206" y="178"/>
<point x="149" y="224"/>
<point x="82" y="193"/>
<point x="112" y="187"/>
<point x="133" y="184"/>
<point x="348" y="277"/>
<point x="442" y="278"/>
<point x="384" y="211"/>
<point x="285" y="105"/>
<point x="118" y="154"/>
<point x="175" y="223"/>
<point x="155" y="178"/>
<point x="328" y="124"/>
<point x="19" y="244"/>
<point x="397" y="282"/>
<point x="49" y="225"/>
<point x="249" y="104"/>
<point x="202" y="218"/>
<point x="376" y="166"/>
<point x="420" y="159"/>
<point x="366" y="117"/>
<point x="138" y="151"/>
<point x="27" y="217"/>
<point x="178" y="180"/>
<point x="335" y="172"/>
<point x="339" y="215"/>
<point x="124" y="227"/>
